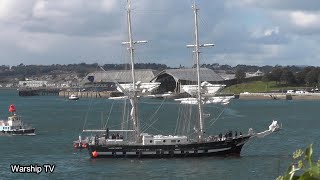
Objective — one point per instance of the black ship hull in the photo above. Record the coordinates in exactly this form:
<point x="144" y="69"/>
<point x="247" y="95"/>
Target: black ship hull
<point x="227" y="147"/>
<point x="29" y="131"/>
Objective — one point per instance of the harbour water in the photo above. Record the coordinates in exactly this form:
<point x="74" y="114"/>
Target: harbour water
<point x="59" y="121"/>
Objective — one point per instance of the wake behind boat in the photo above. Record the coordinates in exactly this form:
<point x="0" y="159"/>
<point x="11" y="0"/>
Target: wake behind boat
<point x="118" y="144"/>
<point x="14" y="125"/>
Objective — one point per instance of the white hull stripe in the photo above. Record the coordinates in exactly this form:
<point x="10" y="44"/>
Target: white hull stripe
<point x="165" y="152"/>
<point x="218" y="150"/>
<point x="150" y="152"/>
<point x="27" y="134"/>
<point x="104" y="153"/>
<point x="131" y="153"/>
<point x="240" y="144"/>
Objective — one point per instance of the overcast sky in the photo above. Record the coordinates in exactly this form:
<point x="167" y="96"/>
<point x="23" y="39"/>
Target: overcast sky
<point x="253" y="32"/>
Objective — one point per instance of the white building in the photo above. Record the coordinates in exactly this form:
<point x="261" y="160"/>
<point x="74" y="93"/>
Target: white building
<point x="254" y="74"/>
<point x="33" y="83"/>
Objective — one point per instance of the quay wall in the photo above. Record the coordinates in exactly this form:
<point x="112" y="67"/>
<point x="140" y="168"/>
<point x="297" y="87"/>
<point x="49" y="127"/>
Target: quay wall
<point x="90" y="94"/>
<point x="279" y="96"/>
<point x="107" y="94"/>
<point x="38" y="91"/>
<point x="66" y="93"/>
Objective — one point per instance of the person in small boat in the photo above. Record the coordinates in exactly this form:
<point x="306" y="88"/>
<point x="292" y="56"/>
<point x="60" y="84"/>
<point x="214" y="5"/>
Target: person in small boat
<point x="96" y="139"/>
<point x="107" y="133"/>
<point x="220" y="137"/>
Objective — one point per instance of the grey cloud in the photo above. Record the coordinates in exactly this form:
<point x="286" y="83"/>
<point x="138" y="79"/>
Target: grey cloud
<point x="309" y="5"/>
<point x="282" y="19"/>
<point x="82" y="19"/>
<point x="91" y="25"/>
<point x="85" y="31"/>
<point x="272" y="39"/>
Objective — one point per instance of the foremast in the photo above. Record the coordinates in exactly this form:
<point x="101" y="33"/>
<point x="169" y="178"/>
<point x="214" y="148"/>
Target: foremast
<point x="133" y="95"/>
<point x="197" y="47"/>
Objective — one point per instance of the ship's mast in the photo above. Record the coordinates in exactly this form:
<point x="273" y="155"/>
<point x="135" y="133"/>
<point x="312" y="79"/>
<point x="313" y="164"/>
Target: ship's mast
<point x="196" y="47"/>
<point x="133" y="97"/>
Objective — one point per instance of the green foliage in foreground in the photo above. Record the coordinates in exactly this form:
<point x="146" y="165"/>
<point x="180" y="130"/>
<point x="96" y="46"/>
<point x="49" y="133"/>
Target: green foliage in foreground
<point x="304" y="168"/>
<point x="257" y="86"/>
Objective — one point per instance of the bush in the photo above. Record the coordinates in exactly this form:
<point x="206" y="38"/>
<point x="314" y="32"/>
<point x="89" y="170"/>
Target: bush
<point x="304" y="167"/>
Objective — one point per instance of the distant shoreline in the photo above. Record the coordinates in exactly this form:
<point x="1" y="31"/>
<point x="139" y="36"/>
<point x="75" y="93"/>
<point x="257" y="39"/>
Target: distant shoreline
<point x="7" y="88"/>
<point x="279" y="96"/>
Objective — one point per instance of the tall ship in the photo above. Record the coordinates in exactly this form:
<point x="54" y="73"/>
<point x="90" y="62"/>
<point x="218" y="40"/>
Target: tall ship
<point x="14" y="125"/>
<point x="110" y="143"/>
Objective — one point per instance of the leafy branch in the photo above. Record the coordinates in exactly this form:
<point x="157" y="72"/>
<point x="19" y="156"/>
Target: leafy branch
<point x="304" y="167"/>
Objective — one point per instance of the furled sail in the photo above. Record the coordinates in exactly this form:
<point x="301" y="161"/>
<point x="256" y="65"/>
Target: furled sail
<point x="142" y="87"/>
<point x="207" y="100"/>
<point x="206" y="88"/>
<point x="119" y="98"/>
<point x="132" y="109"/>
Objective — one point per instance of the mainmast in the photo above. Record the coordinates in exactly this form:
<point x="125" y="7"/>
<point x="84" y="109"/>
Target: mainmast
<point x="133" y="97"/>
<point x="196" y="47"/>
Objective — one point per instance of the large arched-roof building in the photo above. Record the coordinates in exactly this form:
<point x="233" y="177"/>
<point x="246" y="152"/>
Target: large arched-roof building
<point x="172" y="79"/>
<point x="105" y="79"/>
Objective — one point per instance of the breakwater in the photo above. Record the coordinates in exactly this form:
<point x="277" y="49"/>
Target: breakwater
<point x="91" y="94"/>
<point x="279" y="96"/>
<point x="66" y="93"/>
<point x="39" y="92"/>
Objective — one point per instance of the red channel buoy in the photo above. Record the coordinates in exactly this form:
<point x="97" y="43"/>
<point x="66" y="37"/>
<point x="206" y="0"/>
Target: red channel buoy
<point x="95" y="154"/>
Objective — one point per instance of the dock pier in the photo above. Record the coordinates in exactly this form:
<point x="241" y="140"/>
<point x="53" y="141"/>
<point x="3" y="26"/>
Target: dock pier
<point x="91" y="94"/>
<point x="279" y="96"/>
<point x="66" y="93"/>
<point x="38" y="92"/>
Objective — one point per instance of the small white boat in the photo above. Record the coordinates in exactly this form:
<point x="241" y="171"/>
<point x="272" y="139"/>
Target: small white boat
<point x="73" y="97"/>
<point x="14" y="125"/>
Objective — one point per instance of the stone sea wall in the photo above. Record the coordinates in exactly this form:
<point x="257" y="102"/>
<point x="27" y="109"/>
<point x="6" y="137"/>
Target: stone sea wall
<point x="90" y="94"/>
<point x="280" y="96"/>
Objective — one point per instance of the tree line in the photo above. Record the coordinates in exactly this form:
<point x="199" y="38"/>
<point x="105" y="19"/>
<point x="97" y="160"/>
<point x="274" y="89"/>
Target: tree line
<point x="82" y="69"/>
<point x="289" y="75"/>
<point x="283" y="75"/>
<point x="308" y="76"/>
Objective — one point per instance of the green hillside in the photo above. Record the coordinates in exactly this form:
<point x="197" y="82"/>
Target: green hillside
<point x="257" y="86"/>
